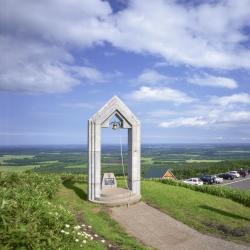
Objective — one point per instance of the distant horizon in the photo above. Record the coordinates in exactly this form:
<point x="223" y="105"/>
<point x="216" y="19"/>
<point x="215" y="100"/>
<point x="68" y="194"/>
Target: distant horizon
<point x="117" y="144"/>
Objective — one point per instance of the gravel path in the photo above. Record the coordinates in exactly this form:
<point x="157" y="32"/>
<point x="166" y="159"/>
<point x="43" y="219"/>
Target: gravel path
<point x="156" y="229"/>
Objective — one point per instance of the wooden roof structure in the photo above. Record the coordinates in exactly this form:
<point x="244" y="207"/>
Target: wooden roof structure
<point x="159" y="173"/>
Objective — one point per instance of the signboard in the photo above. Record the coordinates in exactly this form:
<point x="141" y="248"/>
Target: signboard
<point x="108" y="180"/>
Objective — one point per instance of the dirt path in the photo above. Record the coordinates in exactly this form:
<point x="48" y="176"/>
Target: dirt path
<point x="158" y="230"/>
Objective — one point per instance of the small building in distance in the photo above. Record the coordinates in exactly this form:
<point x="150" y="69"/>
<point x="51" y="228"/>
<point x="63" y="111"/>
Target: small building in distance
<point x="159" y="173"/>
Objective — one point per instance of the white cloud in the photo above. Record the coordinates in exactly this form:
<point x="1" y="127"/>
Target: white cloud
<point x="242" y="98"/>
<point x="184" y="122"/>
<point x="64" y="22"/>
<point x="41" y="36"/>
<point x="241" y="116"/>
<point x="162" y="113"/>
<point x="36" y="40"/>
<point x="150" y="76"/>
<point x="182" y="34"/>
<point x="163" y="94"/>
<point x="214" y="81"/>
<point x="40" y="68"/>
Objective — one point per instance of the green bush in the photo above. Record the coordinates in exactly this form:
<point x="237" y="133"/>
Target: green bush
<point x="239" y="196"/>
<point x="28" y="220"/>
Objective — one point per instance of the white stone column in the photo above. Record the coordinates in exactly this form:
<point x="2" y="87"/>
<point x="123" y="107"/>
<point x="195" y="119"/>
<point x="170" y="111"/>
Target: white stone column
<point x="94" y="160"/>
<point x="134" y="156"/>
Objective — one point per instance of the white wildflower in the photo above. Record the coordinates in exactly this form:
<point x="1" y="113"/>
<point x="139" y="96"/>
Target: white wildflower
<point x="96" y="235"/>
<point x="62" y="231"/>
<point x="77" y="240"/>
<point x="103" y="241"/>
<point x="83" y="225"/>
<point x="84" y="241"/>
<point x="67" y="225"/>
<point x="89" y="226"/>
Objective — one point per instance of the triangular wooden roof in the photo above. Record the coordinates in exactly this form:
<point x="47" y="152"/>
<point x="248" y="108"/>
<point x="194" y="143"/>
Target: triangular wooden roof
<point x="159" y="172"/>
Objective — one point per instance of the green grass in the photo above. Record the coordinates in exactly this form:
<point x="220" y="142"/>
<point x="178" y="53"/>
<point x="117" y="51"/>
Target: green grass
<point x="10" y="157"/>
<point x="73" y="195"/>
<point x="83" y="165"/>
<point x="17" y="168"/>
<point x="204" y="212"/>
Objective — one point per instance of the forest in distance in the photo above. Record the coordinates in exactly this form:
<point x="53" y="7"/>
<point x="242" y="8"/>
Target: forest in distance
<point x="187" y="160"/>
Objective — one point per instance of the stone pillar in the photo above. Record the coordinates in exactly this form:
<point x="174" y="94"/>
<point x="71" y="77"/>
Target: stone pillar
<point x="94" y="160"/>
<point x="134" y="156"/>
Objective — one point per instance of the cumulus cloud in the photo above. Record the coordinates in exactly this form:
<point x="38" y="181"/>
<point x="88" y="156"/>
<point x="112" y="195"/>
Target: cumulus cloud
<point x="184" y="122"/>
<point x="150" y="76"/>
<point x="214" y="81"/>
<point x="206" y="116"/>
<point x="182" y="34"/>
<point x="46" y="32"/>
<point x="212" y="119"/>
<point x="162" y="94"/>
<point x="39" y="68"/>
<point x="35" y="44"/>
<point x="242" y="98"/>
<point x="77" y="22"/>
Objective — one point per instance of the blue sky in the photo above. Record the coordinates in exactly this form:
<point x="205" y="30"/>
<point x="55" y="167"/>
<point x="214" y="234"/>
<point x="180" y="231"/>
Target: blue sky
<point x="183" y="67"/>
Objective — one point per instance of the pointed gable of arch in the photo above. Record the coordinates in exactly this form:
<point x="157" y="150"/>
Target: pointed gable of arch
<point x="115" y="107"/>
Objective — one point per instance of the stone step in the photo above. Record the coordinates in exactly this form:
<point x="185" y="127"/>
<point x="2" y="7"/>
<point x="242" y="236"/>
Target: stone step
<point x="119" y="202"/>
<point x="115" y="194"/>
<point x="116" y="197"/>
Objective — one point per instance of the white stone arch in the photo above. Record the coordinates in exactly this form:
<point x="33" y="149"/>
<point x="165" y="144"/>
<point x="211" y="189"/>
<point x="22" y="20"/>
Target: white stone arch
<point x="101" y="120"/>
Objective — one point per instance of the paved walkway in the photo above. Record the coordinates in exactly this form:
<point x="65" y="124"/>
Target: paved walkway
<point x="158" y="230"/>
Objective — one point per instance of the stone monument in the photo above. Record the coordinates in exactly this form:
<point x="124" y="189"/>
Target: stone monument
<point x="127" y="120"/>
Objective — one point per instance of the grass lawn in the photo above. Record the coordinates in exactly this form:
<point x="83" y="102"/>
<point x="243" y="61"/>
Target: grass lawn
<point x="73" y="195"/>
<point x="206" y="213"/>
<point x="10" y="157"/>
<point x="17" y="168"/>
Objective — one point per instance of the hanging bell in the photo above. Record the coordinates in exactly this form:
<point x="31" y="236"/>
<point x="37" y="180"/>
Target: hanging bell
<point x="115" y="125"/>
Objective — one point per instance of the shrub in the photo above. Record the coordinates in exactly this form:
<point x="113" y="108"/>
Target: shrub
<point x="28" y="220"/>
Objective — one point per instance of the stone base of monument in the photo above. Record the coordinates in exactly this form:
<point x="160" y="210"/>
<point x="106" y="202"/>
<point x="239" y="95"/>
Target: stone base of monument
<point x="117" y="197"/>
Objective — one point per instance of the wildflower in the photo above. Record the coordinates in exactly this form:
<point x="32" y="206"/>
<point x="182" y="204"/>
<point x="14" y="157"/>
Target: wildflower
<point x="110" y="245"/>
<point x="77" y="227"/>
<point x="83" y="225"/>
<point x="96" y="235"/>
<point x="66" y="232"/>
<point x="103" y="241"/>
<point x="79" y="233"/>
<point x="89" y="226"/>
<point x="91" y="238"/>
<point x="62" y="231"/>
<point x="76" y="240"/>
<point x="84" y="241"/>
<point x="67" y="225"/>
